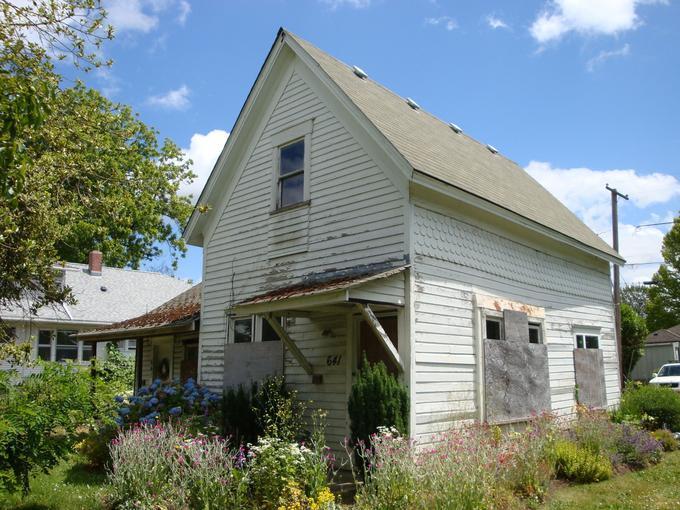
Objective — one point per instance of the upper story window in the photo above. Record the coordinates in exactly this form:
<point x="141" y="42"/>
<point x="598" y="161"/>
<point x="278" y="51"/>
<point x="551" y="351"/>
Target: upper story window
<point x="291" y="175"/>
<point x="243" y="330"/>
<point x="494" y="328"/>
<point x="535" y="333"/>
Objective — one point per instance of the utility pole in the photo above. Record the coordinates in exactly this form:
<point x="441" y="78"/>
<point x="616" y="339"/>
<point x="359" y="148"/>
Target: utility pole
<point x="617" y="277"/>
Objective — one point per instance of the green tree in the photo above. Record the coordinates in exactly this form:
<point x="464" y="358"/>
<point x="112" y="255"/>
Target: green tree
<point x="663" y="308"/>
<point x="636" y="296"/>
<point x="633" y="335"/>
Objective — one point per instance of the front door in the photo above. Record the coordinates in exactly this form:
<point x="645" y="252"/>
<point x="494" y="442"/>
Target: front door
<point x="189" y="367"/>
<point x="371" y="346"/>
<point x="162" y="358"/>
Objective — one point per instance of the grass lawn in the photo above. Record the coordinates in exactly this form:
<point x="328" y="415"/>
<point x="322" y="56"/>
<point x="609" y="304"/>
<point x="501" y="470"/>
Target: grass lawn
<point x="656" y="488"/>
<point x="69" y="486"/>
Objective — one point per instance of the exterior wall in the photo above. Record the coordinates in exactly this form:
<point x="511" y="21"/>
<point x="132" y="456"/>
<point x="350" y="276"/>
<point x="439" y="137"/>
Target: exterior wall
<point x="355" y="218"/>
<point x="248" y="363"/>
<point x="147" y="357"/>
<point x="454" y="260"/>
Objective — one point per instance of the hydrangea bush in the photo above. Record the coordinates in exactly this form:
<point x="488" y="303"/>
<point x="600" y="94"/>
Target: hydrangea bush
<point x="194" y="405"/>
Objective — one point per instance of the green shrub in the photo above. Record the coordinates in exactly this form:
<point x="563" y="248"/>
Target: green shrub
<point x="239" y="421"/>
<point x="578" y="464"/>
<point x="277" y="410"/>
<point x="667" y="439"/>
<point x="377" y="399"/>
<point x="39" y="420"/>
<point x="662" y="405"/>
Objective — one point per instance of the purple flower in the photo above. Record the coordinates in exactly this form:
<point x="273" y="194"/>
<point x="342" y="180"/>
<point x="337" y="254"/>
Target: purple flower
<point x="175" y="411"/>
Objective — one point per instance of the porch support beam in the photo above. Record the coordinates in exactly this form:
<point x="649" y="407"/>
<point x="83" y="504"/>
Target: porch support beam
<point x="380" y="333"/>
<point x="290" y="344"/>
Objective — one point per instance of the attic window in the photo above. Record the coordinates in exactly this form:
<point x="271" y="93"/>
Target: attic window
<point x="291" y="175"/>
<point x="412" y="103"/>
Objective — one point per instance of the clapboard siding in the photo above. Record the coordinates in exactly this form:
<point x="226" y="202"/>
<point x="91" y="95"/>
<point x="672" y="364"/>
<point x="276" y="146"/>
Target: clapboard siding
<point x="318" y="338"/>
<point x="453" y="261"/>
<point x="355" y="217"/>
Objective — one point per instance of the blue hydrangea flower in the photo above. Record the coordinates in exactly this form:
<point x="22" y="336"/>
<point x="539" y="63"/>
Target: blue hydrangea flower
<point x="157" y="382"/>
<point x="153" y="401"/>
<point x="169" y="390"/>
<point x="119" y="398"/>
<point x="175" y="411"/>
<point x="143" y="390"/>
<point x="119" y="421"/>
<point x="147" y="404"/>
<point x="124" y="411"/>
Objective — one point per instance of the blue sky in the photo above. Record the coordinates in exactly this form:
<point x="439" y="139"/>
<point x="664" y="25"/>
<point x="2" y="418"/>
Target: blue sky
<point x="579" y="92"/>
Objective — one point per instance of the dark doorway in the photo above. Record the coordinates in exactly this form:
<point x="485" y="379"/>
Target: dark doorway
<point x="371" y="346"/>
<point x="189" y="366"/>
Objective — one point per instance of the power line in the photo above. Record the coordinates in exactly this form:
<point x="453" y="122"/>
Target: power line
<point x="654" y="224"/>
<point x="643" y="263"/>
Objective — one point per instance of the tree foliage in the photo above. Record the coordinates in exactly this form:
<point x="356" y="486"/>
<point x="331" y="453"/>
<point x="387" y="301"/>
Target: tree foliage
<point x="77" y="172"/>
<point x="636" y="295"/>
<point x="663" y="308"/>
<point x="633" y="335"/>
<point x="377" y="399"/>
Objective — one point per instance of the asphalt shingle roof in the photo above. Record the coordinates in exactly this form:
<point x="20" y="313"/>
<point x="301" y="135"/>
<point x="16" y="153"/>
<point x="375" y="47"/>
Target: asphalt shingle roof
<point x="434" y="149"/>
<point x="663" y="336"/>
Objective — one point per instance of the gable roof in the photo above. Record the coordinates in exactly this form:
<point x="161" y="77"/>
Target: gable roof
<point x="432" y="148"/>
<point x="115" y="295"/>
<point x="664" y="336"/>
<point x="178" y="311"/>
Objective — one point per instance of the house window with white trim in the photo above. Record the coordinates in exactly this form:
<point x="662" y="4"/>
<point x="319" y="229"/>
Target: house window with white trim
<point x="535" y="333"/>
<point x="45" y="345"/>
<point x="67" y="347"/>
<point x="494" y="328"/>
<point x="291" y="174"/>
<point x="587" y="340"/>
<point x="253" y="329"/>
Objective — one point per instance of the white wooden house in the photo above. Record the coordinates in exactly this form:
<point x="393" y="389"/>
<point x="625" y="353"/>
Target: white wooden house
<point x="336" y="201"/>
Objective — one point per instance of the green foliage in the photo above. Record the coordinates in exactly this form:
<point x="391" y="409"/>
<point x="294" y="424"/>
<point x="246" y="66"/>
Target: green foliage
<point x="636" y="296"/>
<point x="663" y="308"/>
<point x="667" y="439"/>
<point x="278" y="412"/>
<point x="377" y="399"/>
<point x="239" y="421"/>
<point x="578" y="464"/>
<point x="39" y="417"/>
<point x="633" y="335"/>
<point x="653" y="405"/>
<point x="31" y="35"/>
<point x="118" y="369"/>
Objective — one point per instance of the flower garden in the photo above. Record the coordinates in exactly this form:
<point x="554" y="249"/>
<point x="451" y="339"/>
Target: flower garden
<point x="178" y="447"/>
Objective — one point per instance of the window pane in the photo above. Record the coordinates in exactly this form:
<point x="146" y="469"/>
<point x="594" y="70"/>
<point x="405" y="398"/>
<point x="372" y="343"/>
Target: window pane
<point x="493" y="329"/>
<point x="579" y="342"/>
<point x="243" y="331"/>
<point x="534" y="334"/>
<point x="592" y="342"/>
<point x="268" y="333"/>
<point x="88" y="351"/>
<point x="292" y="157"/>
<point x="44" y="344"/>
<point x="132" y="345"/>
<point x="67" y="348"/>
<point x="292" y="190"/>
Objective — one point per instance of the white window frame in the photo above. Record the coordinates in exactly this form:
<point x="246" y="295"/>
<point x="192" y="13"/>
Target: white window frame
<point x="255" y="328"/>
<point x="301" y="132"/>
<point x="53" y="346"/>
<point x="584" y="332"/>
<point x="537" y="324"/>
<point x="496" y="317"/>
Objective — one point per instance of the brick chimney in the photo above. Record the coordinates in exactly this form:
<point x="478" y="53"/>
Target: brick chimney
<point x="95" y="263"/>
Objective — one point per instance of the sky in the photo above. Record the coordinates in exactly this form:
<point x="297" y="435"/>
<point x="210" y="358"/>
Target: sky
<point x="580" y="93"/>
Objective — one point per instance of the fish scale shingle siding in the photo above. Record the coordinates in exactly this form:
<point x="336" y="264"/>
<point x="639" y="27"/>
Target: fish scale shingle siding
<point x="356" y="217"/>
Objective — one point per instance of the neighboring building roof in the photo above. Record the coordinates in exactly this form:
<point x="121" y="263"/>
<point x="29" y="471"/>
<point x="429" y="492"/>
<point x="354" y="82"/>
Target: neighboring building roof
<point x="664" y="336"/>
<point x="433" y="148"/>
<point x="115" y="295"/>
<point x="178" y="311"/>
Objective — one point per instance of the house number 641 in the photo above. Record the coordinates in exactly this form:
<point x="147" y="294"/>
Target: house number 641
<point x="333" y="360"/>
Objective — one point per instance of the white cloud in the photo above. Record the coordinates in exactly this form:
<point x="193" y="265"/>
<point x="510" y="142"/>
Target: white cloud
<point x="603" y="56"/>
<point x="356" y="4"/>
<point x="583" y="191"/>
<point x="496" y="22"/>
<point x="177" y="99"/>
<point x="203" y="151"/>
<point x="445" y="21"/>
<point x="143" y="15"/>
<point x="586" y="17"/>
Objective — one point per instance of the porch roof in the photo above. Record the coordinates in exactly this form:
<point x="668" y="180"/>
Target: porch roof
<point x="175" y="315"/>
<point x="336" y="289"/>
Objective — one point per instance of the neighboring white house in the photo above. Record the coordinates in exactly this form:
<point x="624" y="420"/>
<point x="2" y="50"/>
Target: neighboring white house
<point x="344" y="219"/>
<point x="104" y="295"/>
